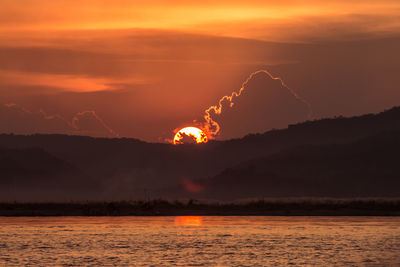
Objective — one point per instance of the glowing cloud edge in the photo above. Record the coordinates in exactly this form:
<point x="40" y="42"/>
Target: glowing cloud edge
<point x="212" y="127"/>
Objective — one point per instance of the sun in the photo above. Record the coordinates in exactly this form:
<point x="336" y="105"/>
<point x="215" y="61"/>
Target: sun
<point x="191" y="134"/>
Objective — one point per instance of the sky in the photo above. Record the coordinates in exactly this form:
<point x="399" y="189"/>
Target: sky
<point x="142" y="69"/>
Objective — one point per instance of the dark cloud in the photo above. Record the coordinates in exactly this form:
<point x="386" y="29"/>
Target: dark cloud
<point x="264" y="104"/>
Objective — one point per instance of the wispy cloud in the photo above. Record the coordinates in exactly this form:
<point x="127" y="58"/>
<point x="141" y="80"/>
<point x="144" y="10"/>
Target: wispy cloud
<point x="20" y="120"/>
<point x="62" y="82"/>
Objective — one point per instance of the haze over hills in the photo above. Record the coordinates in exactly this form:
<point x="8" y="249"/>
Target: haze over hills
<point x="338" y="157"/>
<point x="363" y="168"/>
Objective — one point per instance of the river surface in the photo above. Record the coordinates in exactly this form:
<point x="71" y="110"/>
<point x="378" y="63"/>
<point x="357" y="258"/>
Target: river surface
<point x="199" y="241"/>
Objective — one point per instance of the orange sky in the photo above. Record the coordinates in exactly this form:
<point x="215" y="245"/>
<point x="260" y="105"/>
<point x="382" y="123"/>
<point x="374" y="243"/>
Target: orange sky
<point x="228" y="18"/>
<point x="148" y="67"/>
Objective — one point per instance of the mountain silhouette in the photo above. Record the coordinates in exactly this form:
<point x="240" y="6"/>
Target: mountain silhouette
<point x="33" y="174"/>
<point x="307" y="159"/>
<point x="364" y="168"/>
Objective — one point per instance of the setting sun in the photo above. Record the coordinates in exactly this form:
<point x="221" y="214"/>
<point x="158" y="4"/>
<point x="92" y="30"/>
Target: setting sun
<point x="193" y="134"/>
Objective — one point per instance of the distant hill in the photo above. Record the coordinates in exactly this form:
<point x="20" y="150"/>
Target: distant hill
<point x="123" y="168"/>
<point x="365" y="168"/>
<point x="32" y="173"/>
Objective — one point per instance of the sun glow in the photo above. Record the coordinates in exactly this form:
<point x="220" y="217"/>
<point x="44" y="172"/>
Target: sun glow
<point x="193" y="133"/>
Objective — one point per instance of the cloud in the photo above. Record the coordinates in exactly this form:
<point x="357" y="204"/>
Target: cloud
<point x="56" y="81"/>
<point x="19" y="120"/>
<point x="263" y="102"/>
<point x="63" y="69"/>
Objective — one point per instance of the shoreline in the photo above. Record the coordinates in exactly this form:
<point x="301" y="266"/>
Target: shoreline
<point x="194" y="208"/>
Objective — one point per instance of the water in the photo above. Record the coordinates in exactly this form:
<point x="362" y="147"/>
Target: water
<point x="199" y="241"/>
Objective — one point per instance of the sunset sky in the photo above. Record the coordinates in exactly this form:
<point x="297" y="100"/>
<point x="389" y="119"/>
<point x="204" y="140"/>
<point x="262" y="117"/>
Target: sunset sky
<point x="144" y="68"/>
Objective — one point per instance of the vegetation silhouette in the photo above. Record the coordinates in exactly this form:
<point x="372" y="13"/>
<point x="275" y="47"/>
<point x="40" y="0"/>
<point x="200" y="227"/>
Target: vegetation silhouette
<point x="160" y="207"/>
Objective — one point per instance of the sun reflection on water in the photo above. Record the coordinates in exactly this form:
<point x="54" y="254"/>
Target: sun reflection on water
<point x="188" y="220"/>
